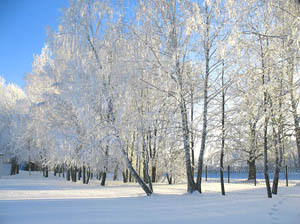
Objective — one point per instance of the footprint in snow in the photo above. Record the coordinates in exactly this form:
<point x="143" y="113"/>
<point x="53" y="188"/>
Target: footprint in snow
<point x="274" y="211"/>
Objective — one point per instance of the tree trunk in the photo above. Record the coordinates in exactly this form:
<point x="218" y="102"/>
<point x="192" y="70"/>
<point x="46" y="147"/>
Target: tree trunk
<point x="153" y="174"/>
<point x="63" y="170"/>
<point x="105" y="166"/>
<point x="252" y="151"/>
<point x="223" y="134"/>
<point x="125" y="177"/>
<point x="252" y="169"/>
<point x="143" y="185"/>
<point x="169" y="178"/>
<point x="103" y="178"/>
<point x="266" y="167"/>
<point x="115" y="177"/>
<point x="192" y="132"/>
<point x="88" y="176"/>
<point x="79" y="173"/>
<point x="205" y="100"/>
<point x="74" y="174"/>
<point x="68" y="174"/>
<point x="265" y="103"/>
<point x="191" y="187"/>
<point x="204" y="133"/>
<point x="14" y="166"/>
<point x="47" y="174"/>
<point x="294" y="111"/>
<point x="279" y="157"/>
<point x="83" y="174"/>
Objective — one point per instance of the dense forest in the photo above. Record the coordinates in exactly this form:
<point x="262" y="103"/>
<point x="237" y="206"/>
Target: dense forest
<point x="149" y="88"/>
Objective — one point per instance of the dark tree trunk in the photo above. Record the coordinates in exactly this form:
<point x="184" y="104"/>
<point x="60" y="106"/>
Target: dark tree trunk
<point x="223" y="134"/>
<point x="115" y="177"/>
<point x="74" y="173"/>
<point x="153" y="174"/>
<point x="103" y="178"/>
<point x="68" y="174"/>
<point x="125" y="178"/>
<point x="83" y="175"/>
<point x="252" y="169"/>
<point x="169" y="178"/>
<point x="105" y="167"/>
<point x="126" y="173"/>
<point x="14" y="166"/>
<point x="47" y="173"/>
<point x="88" y="176"/>
<point x="266" y="167"/>
<point x="265" y="103"/>
<point x="63" y="170"/>
<point x="79" y="173"/>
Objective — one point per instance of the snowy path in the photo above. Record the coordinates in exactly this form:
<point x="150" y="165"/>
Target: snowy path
<point x="37" y="200"/>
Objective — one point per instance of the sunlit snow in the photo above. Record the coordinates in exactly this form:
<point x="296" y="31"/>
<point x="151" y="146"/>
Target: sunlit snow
<point x="36" y="200"/>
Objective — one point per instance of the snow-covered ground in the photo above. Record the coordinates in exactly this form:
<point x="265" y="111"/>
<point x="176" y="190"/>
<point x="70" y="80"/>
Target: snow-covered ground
<point x="37" y="200"/>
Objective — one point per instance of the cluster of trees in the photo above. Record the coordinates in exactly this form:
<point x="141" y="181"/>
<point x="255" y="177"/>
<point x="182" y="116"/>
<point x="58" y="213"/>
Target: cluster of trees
<point x="152" y="87"/>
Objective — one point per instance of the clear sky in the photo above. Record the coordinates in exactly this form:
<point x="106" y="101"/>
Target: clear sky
<point x="23" y="26"/>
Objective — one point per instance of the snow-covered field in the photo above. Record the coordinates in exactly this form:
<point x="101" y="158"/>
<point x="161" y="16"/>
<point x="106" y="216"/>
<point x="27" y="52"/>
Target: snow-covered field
<point x="37" y="200"/>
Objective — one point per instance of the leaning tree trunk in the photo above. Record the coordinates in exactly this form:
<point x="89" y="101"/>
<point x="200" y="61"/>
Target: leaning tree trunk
<point x="135" y="175"/>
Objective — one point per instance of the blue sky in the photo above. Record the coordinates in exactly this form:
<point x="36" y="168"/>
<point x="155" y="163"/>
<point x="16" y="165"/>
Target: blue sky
<point x="23" y="26"/>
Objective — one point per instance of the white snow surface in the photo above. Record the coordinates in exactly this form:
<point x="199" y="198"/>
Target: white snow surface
<point x="38" y="200"/>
